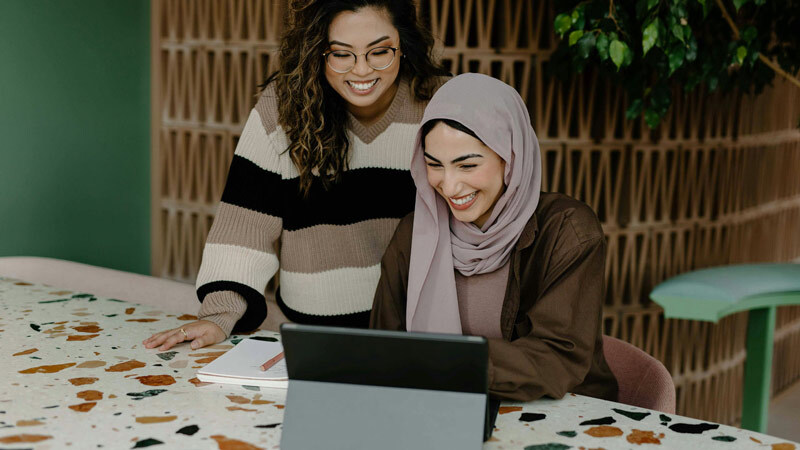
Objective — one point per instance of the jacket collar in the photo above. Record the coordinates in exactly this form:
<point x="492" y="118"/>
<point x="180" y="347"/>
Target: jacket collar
<point x="528" y="233"/>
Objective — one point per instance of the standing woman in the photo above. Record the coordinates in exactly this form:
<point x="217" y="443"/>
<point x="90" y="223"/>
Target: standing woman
<point x="485" y="253"/>
<point x="320" y="176"/>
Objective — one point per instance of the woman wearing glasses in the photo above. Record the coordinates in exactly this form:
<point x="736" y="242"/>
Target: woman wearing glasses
<point x="320" y="177"/>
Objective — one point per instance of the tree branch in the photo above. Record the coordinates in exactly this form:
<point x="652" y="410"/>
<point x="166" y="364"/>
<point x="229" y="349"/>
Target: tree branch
<point x="771" y="64"/>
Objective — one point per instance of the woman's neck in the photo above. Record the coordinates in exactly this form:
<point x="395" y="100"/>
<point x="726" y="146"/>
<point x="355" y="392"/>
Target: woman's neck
<point x="368" y="115"/>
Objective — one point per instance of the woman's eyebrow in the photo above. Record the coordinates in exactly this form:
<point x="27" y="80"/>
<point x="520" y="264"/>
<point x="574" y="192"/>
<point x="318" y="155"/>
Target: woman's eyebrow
<point x="462" y="158"/>
<point x="382" y="38"/>
<point x="431" y="157"/>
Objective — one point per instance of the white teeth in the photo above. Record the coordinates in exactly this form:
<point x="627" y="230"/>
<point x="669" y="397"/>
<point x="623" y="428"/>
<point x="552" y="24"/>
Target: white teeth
<point x="362" y="86"/>
<point x="463" y="200"/>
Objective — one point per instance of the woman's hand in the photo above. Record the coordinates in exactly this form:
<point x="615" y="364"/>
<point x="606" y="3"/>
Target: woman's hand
<point x="201" y="333"/>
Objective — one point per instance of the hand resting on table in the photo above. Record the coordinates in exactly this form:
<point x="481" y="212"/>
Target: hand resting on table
<point x="201" y="333"/>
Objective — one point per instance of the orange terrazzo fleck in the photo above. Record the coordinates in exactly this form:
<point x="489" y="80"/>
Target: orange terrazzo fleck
<point x="47" y="369"/>
<point x="156" y="380"/>
<point x="509" y="409"/>
<point x="225" y="443"/>
<point x="91" y="364"/>
<point x="643" y="437"/>
<point x="87" y="329"/>
<point x="81" y="337"/>
<point x="129" y="311"/>
<point x="90" y="395"/>
<point x="83" y="407"/>
<point x="142" y="320"/>
<point x="29" y="423"/>
<point x="155" y="419"/>
<point x="24" y="438"/>
<point x="125" y="366"/>
<point x="26" y="352"/>
<point x="239" y="408"/>
<point x="604" y="431"/>
<point x="187" y="317"/>
<point x="783" y="446"/>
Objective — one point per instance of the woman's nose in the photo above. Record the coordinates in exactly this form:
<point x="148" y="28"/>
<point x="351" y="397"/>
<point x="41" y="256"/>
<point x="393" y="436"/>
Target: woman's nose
<point x="361" y="68"/>
<point x="450" y="185"/>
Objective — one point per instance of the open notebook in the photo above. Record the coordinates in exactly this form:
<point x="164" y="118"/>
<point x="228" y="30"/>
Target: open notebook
<point x="240" y="365"/>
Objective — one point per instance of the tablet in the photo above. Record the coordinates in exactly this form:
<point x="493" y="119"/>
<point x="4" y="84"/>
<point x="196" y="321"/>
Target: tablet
<point x="425" y="389"/>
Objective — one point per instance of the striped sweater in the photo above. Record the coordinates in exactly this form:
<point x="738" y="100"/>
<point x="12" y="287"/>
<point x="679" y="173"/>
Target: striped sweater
<point x="328" y="247"/>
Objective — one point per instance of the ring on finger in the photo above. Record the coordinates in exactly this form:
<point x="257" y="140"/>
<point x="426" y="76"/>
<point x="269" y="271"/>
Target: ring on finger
<point x="185" y="336"/>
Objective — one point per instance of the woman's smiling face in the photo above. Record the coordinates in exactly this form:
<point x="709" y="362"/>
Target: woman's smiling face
<point x="368" y="91"/>
<point x="465" y="172"/>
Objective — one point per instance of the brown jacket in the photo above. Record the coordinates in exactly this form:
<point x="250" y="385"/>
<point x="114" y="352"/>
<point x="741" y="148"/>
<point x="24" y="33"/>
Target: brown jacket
<point x="551" y="317"/>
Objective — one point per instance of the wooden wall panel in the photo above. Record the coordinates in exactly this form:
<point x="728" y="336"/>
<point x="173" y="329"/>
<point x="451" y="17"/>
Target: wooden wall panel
<point x="715" y="184"/>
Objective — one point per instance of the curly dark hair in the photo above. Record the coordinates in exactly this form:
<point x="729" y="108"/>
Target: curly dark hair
<point x="311" y="113"/>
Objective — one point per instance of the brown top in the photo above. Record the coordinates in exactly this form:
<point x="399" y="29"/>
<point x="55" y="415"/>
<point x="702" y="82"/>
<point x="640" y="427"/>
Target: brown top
<point x="480" y="301"/>
<point x="551" y="317"/>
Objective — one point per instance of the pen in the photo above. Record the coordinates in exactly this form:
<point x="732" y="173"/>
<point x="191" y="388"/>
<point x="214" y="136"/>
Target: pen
<point x="272" y="361"/>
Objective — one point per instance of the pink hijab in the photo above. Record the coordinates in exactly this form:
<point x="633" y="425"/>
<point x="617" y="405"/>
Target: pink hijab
<point x="496" y="113"/>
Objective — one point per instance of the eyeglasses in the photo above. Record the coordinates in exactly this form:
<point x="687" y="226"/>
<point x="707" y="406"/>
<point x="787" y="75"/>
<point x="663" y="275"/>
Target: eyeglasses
<point x="343" y="61"/>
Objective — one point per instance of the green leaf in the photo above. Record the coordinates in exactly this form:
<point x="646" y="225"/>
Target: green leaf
<point x="677" y="31"/>
<point x="651" y="4"/>
<point x="634" y="109"/>
<point x="676" y="57"/>
<point x="652" y="118"/>
<point x="739" y="3"/>
<point x="562" y="24"/>
<point x="627" y="56"/>
<point x="650" y="36"/>
<point x="741" y="53"/>
<point x="749" y="33"/>
<point x="586" y="44"/>
<point x="617" y="51"/>
<point x="574" y="36"/>
<point x="602" y="46"/>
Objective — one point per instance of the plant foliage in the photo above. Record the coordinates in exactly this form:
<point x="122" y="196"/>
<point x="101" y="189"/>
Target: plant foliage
<point x="648" y="46"/>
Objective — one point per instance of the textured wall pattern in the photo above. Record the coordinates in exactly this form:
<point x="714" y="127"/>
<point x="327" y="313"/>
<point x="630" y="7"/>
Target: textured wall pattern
<point x="716" y="184"/>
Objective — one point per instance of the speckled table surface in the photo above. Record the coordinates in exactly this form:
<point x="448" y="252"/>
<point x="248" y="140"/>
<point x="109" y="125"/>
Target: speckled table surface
<point x="75" y="375"/>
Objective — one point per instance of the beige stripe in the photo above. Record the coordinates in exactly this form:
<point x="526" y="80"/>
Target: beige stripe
<point x="243" y="227"/>
<point x="267" y="107"/>
<point x="250" y="267"/>
<point x="341" y="291"/>
<point x="326" y="247"/>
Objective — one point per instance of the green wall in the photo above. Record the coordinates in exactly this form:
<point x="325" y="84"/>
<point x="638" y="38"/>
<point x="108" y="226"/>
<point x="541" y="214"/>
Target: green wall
<point x="75" y="131"/>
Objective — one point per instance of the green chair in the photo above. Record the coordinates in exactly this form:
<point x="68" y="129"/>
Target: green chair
<point x="711" y="294"/>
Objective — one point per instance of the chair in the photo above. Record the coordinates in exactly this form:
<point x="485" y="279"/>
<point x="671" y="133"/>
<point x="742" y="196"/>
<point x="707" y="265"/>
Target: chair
<point x="643" y="381"/>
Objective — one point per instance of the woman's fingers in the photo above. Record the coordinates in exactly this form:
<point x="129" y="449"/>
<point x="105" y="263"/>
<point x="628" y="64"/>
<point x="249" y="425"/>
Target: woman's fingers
<point x="200" y="333"/>
<point x="156" y="339"/>
<point x="176" y="337"/>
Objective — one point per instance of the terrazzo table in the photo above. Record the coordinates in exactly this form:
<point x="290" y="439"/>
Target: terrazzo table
<point x="75" y="375"/>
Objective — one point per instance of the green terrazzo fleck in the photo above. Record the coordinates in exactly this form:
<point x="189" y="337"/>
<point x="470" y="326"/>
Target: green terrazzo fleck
<point x="550" y="446"/>
<point x="631" y="414"/>
<point x="724" y="438"/>
<point x="567" y="433"/>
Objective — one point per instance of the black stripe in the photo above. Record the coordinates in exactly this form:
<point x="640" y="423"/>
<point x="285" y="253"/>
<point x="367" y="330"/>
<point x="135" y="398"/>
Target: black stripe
<point x="252" y="187"/>
<point x="256" y="304"/>
<point x="362" y="194"/>
<point x="354" y="320"/>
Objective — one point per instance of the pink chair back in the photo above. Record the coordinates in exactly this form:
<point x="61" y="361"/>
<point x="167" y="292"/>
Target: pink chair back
<point x="643" y="381"/>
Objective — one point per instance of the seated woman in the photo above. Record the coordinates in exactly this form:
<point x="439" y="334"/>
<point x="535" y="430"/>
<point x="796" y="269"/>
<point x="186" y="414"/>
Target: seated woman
<point x="485" y="253"/>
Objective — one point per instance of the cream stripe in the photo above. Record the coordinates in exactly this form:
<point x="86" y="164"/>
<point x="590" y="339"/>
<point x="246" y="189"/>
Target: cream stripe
<point x="258" y="147"/>
<point x="340" y="291"/>
<point x="325" y="247"/>
<point x="222" y="262"/>
<point x="392" y="149"/>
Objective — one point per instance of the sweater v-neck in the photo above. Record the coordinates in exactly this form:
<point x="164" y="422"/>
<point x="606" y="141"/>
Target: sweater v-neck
<point x="368" y="133"/>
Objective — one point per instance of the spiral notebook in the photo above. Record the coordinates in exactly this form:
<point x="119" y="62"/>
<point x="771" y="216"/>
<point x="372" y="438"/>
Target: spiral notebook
<point x="240" y="365"/>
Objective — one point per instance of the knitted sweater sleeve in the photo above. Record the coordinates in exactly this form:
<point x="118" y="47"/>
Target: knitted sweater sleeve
<point x="240" y="253"/>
